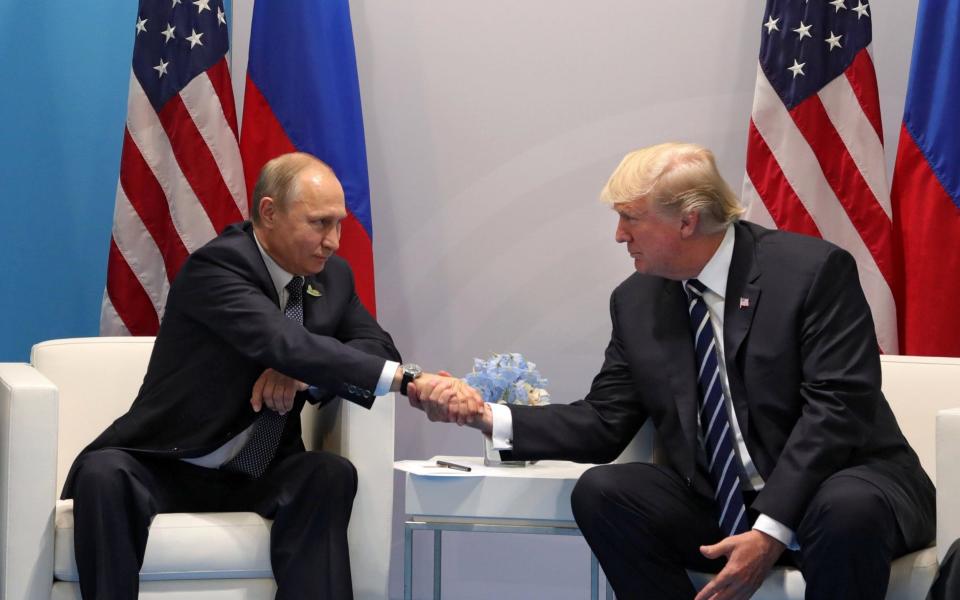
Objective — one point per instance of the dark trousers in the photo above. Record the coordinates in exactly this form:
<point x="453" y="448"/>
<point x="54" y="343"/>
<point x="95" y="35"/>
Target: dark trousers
<point x="646" y="527"/>
<point x="309" y="496"/>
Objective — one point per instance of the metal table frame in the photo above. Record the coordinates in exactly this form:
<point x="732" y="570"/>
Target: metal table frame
<point x="439" y="526"/>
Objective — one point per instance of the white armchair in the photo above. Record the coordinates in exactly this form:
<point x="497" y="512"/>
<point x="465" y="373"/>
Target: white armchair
<point x="925" y="397"/>
<point x="71" y="390"/>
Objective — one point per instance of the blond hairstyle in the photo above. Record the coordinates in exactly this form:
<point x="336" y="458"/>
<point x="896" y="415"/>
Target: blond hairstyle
<point x="678" y="179"/>
<point x="278" y="177"/>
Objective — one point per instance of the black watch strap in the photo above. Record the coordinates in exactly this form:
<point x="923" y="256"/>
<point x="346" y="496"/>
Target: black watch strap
<point x="408" y="374"/>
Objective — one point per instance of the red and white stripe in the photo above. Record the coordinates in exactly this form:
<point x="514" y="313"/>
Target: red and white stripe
<point x="181" y="182"/>
<point x="819" y="169"/>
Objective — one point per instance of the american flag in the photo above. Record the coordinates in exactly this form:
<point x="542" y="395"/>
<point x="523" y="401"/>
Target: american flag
<point x="181" y="178"/>
<point x="815" y="161"/>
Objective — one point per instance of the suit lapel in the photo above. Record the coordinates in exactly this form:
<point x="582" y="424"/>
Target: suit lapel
<point x="314" y="296"/>
<point x="260" y="271"/>
<point x="742" y="297"/>
<point x="672" y="331"/>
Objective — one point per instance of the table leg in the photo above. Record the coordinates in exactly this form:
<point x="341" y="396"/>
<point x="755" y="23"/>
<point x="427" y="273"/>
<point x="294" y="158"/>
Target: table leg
<point x="407" y="563"/>
<point x="594" y="577"/>
<point x="437" y="553"/>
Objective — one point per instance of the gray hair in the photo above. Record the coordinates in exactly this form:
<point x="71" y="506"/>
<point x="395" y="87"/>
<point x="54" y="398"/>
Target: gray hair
<point x="278" y="178"/>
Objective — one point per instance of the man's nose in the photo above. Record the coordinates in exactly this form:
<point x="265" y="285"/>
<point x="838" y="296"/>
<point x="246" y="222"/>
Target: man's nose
<point x="331" y="241"/>
<point x="621" y="236"/>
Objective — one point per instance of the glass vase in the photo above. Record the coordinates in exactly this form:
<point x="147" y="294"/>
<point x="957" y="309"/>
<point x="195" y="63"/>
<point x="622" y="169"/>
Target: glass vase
<point x="491" y="457"/>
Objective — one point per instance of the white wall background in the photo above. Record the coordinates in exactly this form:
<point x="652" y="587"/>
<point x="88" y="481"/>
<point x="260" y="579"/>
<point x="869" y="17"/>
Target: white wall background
<point x="491" y="128"/>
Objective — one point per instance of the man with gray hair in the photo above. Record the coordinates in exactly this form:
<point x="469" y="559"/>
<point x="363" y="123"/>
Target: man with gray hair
<point x="259" y="321"/>
<point x="754" y="355"/>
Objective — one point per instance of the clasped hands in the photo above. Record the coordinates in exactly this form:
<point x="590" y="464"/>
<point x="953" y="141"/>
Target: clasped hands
<point x="447" y="399"/>
<point x="441" y="396"/>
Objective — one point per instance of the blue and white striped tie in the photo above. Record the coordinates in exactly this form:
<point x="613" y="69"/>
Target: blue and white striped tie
<point x="714" y="422"/>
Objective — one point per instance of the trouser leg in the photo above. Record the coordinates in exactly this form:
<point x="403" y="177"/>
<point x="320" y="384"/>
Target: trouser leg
<point x="645" y="526"/>
<point x="309" y="496"/>
<point x="848" y="536"/>
<point x="112" y="508"/>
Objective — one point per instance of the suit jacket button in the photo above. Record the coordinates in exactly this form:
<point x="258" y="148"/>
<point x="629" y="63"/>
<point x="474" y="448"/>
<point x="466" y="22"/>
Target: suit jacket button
<point x="689" y="482"/>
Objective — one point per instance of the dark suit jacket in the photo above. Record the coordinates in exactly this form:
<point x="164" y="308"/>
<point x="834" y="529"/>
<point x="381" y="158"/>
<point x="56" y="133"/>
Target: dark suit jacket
<point x="804" y="370"/>
<point x="221" y="328"/>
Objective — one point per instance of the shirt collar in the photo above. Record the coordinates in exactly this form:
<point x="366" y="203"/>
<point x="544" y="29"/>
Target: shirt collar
<point x="278" y="275"/>
<point x="714" y="273"/>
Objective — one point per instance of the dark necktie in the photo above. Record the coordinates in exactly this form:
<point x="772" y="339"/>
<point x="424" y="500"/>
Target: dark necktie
<point x="261" y="446"/>
<point x="714" y="422"/>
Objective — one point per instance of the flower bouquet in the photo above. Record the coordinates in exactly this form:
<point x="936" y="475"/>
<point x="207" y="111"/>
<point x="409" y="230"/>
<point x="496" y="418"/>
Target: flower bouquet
<point x="507" y="378"/>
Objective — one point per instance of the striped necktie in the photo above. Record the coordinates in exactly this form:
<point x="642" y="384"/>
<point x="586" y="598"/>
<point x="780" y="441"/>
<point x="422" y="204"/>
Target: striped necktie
<point x="259" y="449"/>
<point x="714" y="422"/>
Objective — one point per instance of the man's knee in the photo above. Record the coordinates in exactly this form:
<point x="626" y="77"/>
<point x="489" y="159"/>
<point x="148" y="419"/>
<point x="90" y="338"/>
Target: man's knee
<point x="100" y="471"/>
<point x="330" y="471"/>
<point x="848" y="509"/>
<point x="607" y="483"/>
<point x="590" y="500"/>
<point x="609" y="489"/>
<point x="591" y="489"/>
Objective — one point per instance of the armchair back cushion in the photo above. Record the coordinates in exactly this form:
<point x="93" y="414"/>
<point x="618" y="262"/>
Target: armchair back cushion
<point x="917" y="388"/>
<point x="97" y="380"/>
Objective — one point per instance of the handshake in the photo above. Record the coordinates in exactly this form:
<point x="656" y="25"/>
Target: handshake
<point x="448" y="399"/>
<point x="441" y="396"/>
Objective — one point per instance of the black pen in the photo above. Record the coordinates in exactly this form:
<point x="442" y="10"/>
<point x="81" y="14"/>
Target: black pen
<point x="454" y="466"/>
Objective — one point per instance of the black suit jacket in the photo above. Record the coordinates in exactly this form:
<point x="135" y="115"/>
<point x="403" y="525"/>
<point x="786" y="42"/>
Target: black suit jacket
<point x="804" y="370"/>
<point x="221" y="328"/>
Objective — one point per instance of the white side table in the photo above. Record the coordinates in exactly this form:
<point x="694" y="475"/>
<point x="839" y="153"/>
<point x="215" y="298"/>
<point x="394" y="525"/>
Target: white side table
<point x="530" y="499"/>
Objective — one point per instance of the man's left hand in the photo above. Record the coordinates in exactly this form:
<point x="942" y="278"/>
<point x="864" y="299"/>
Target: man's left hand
<point x="276" y="391"/>
<point x="750" y="556"/>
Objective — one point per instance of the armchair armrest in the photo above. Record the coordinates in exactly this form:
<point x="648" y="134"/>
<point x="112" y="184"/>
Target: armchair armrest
<point x="28" y="480"/>
<point x="365" y="437"/>
<point x="948" y="479"/>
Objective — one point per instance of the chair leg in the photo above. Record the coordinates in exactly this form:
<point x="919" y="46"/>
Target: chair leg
<point x="407" y="563"/>
<point x="437" y="567"/>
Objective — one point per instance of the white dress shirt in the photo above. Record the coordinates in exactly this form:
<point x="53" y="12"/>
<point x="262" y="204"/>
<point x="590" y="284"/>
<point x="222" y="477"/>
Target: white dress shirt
<point x="714" y="277"/>
<point x="280" y="279"/>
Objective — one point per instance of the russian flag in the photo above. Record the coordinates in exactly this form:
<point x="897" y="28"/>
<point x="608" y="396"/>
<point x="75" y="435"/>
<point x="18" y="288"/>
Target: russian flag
<point x="302" y="94"/>
<point x="926" y="187"/>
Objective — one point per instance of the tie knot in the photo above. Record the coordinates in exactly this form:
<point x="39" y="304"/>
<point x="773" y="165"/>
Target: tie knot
<point x="695" y="288"/>
<point x="295" y="285"/>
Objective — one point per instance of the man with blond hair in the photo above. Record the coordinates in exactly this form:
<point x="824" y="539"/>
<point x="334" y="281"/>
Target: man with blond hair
<point x="754" y="355"/>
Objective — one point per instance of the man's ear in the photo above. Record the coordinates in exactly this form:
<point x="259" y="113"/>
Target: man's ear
<point x="689" y="221"/>
<point x="268" y="211"/>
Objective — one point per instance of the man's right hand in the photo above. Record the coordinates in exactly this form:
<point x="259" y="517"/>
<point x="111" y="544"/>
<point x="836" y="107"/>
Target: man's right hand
<point x="276" y="390"/>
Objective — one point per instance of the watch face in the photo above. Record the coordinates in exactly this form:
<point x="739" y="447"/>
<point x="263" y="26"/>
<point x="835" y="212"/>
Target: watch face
<point x="412" y="371"/>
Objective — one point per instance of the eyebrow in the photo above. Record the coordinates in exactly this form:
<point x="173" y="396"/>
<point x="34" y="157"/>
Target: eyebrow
<point x="327" y="214"/>
<point x="630" y="212"/>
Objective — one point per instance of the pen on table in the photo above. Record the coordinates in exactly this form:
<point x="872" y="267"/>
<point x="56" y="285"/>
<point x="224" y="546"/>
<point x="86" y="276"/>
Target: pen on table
<point x="454" y="466"/>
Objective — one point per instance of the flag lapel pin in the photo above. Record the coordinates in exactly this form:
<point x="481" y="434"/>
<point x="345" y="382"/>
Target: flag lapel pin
<point x="312" y="291"/>
<point x="744" y="302"/>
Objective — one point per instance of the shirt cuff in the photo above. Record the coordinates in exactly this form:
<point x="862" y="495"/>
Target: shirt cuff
<point x="502" y="426"/>
<point x="777" y="531"/>
<point x="386" y="378"/>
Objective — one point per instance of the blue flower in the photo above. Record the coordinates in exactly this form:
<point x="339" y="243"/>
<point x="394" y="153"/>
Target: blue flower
<point x="508" y="378"/>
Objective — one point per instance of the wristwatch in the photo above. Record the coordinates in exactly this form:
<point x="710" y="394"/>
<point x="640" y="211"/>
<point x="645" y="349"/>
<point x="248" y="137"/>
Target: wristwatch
<point x="410" y="371"/>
